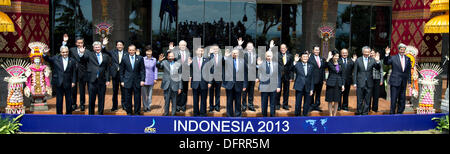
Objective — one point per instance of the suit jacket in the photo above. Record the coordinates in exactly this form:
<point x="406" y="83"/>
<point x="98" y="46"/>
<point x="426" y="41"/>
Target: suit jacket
<point x="286" y="70"/>
<point x="59" y="76"/>
<point x="238" y="85"/>
<point x="398" y="75"/>
<point x="202" y="84"/>
<point x="218" y="67"/>
<point x="347" y="70"/>
<point x="129" y="76"/>
<point x="115" y="71"/>
<point x="302" y="82"/>
<point x="361" y="76"/>
<point x="80" y="66"/>
<point x="251" y="65"/>
<point x="93" y="67"/>
<point x="265" y="85"/>
<point x="318" y="72"/>
<point x="335" y="77"/>
<point x="177" y="56"/>
<point x="170" y="81"/>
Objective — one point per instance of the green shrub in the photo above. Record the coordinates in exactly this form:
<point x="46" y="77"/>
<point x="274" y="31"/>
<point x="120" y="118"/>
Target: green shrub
<point x="442" y="123"/>
<point x="10" y="126"/>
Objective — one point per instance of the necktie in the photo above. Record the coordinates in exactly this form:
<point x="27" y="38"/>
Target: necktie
<point x="284" y="59"/>
<point x="365" y="63"/>
<point x="120" y="56"/>
<point x="99" y="58"/>
<point x="268" y="68"/>
<point x="236" y="65"/>
<point x="199" y="63"/>
<point x="345" y="61"/>
<point x="402" y="60"/>
<point x="182" y="56"/>
<point x="305" y="68"/>
<point x="318" y="61"/>
<point x="132" y="62"/>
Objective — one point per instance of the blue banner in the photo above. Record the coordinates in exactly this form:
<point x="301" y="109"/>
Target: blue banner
<point x="224" y="125"/>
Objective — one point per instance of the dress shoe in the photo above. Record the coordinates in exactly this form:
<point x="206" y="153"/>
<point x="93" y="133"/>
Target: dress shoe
<point x="277" y="107"/>
<point x="145" y="110"/>
<point x="211" y="110"/>
<point x="82" y="108"/>
<point x="113" y="109"/>
<point x="286" y="107"/>
<point x="218" y="109"/>
<point x="129" y="114"/>
<point x="244" y="109"/>
<point x="317" y="109"/>
<point x="252" y="109"/>
<point x="137" y="113"/>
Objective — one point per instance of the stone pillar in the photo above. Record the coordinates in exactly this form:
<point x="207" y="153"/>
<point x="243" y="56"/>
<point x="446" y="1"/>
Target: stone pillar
<point x="312" y="19"/>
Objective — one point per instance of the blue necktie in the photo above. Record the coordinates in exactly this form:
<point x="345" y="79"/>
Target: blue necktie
<point x="268" y="68"/>
<point x="99" y="62"/>
<point x="132" y="62"/>
<point x="235" y="66"/>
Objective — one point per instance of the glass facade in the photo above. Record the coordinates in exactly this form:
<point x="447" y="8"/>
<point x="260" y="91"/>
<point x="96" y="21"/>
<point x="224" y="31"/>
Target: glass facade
<point x="222" y="22"/>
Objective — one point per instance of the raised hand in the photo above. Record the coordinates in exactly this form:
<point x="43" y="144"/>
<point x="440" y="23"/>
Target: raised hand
<point x="240" y="41"/>
<point x="82" y="49"/>
<point x="272" y="43"/>
<point x="105" y="41"/>
<point x="297" y="57"/>
<point x="330" y="55"/>
<point x="377" y="57"/>
<point x="259" y="61"/>
<point x="189" y="60"/>
<point x="161" y="57"/>
<point x="65" y="37"/>
<point x="171" y="47"/>
<point x="388" y="50"/>
<point x="227" y="53"/>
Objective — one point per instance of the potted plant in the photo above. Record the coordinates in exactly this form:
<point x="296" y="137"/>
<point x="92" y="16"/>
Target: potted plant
<point x="10" y="126"/>
<point x="442" y="124"/>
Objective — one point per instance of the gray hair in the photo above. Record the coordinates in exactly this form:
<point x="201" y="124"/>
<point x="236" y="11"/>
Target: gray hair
<point x="401" y="45"/>
<point x="365" y="47"/>
<point x="96" y="43"/>
<point x="64" y="48"/>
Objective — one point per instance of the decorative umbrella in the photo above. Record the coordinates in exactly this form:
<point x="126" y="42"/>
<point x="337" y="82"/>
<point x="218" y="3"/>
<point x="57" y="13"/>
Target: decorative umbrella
<point x="438" y="24"/>
<point x="6" y="24"/>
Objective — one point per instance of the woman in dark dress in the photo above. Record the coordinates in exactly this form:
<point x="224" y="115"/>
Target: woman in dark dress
<point x="335" y="82"/>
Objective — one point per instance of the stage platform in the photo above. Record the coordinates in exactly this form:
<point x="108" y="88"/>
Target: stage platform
<point x="157" y="107"/>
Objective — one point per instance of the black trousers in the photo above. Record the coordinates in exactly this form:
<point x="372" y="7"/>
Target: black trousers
<point x="62" y="92"/>
<point x="202" y="94"/>
<point x="116" y="85"/>
<point x="81" y="85"/>
<point x="214" y="92"/>
<point x="233" y="103"/>
<point x="285" y="83"/>
<point x="182" y="97"/>
<point x="375" y="95"/>
<point x="137" y="99"/>
<point x="250" y="93"/>
<point x="363" y="95"/>
<point x="344" y="101"/>
<point x="96" y="90"/>
<point x="299" y="96"/>
<point x="398" y="98"/>
<point x="265" y="97"/>
<point x="315" y="100"/>
<point x="170" y="96"/>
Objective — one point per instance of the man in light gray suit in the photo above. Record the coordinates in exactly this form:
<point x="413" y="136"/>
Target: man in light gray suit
<point x="171" y="83"/>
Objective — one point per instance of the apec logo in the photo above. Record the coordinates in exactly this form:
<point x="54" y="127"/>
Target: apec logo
<point x="150" y="129"/>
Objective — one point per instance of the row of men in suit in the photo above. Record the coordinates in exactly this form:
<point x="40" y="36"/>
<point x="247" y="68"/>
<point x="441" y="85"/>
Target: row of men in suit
<point x="96" y="68"/>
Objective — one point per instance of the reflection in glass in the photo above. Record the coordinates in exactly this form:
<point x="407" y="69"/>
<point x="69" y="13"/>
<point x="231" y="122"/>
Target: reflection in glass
<point x="64" y="22"/>
<point x="381" y="27"/>
<point x="190" y="21"/>
<point x="291" y="30"/>
<point x="139" y="27"/>
<point x="360" y="27"/>
<point x="268" y="22"/>
<point x="217" y="17"/>
<point x="243" y="21"/>
<point x="343" y="26"/>
<point x="164" y="24"/>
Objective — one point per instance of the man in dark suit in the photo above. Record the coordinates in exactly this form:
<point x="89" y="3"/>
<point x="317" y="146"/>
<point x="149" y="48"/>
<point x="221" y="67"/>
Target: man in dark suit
<point x="171" y="81"/>
<point x="183" y="56"/>
<point x="64" y="78"/>
<point x="98" y="76"/>
<point x="347" y="70"/>
<point x="250" y="62"/>
<point x="234" y="82"/>
<point x="116" y="59"/>
<point x="132" y="77"/>
<point x="363" y="80"/>
<point x="303" y="86"/>
<point x="400" y="77"/>
<point x="216" y="82"/>
<point x="81" y="83"/>
<point x="285" y="61"/>
<point x="270" y="83"/>
<point x="318" y="73"/>
<point x="198" y="83"/>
